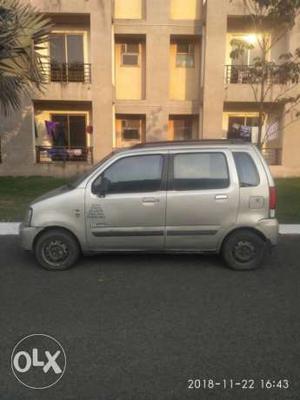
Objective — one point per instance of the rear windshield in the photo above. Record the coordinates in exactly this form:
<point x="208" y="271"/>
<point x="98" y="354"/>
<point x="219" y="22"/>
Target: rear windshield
<point x="246" y="169"/>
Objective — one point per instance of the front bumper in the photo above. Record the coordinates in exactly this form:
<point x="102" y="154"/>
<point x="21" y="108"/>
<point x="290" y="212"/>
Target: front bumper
<point x="270" y="229"/>
<point x="27" y="235"/>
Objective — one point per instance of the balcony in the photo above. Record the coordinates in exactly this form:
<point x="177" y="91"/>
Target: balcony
<point x="66" y="73"/>
<point x="248" y="74"/>
<point x="48" y="154"/>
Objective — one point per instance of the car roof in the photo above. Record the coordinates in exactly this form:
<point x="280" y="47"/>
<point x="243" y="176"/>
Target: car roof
<point x="169" y="145"/>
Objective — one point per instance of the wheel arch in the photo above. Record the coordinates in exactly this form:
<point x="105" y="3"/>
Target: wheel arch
<point x="57" y="228"/>
<point x="240" y="228"/>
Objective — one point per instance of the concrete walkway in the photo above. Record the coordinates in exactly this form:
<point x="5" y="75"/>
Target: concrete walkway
<point x="9" y="228"/>
<point x="12" y="228"/>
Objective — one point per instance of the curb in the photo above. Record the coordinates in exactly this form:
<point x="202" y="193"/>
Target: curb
<point x="9" y="228"/>
<point x="12" y="228"/>
<point x="289" y="229"/>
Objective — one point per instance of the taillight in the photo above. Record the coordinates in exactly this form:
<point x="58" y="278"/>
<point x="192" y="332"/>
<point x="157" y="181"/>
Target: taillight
<point x="272" y="201"/>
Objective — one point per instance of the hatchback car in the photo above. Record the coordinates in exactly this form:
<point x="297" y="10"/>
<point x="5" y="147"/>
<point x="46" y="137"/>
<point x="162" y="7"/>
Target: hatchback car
<point x="200" y="197"/>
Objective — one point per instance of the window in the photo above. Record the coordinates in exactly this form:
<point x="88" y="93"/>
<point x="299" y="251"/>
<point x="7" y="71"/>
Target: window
<point x="246" y="169"/>
<point x="131" y="129"/>
<point x="200" y="171"/>
<point x="185" y="55"/>
<point x="250" y="55"/>
<point x="242" y="127"/>
<point x="130" y="54"/>
<point x="72" y="132"/>
<point x="135" y="174"/>
<point x="183" y="129"/>
<point x="67" y="58"/>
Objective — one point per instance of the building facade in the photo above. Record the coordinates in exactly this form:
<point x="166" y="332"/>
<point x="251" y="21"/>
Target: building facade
<point x="121" y="72"/>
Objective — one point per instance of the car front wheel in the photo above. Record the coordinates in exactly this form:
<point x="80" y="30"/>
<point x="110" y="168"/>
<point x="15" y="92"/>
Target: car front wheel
<point x="56" y="250"/>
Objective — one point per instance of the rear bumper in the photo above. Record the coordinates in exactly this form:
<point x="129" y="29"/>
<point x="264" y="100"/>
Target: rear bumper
<point x="27" y="236"/>
<point x="270" y="229"/>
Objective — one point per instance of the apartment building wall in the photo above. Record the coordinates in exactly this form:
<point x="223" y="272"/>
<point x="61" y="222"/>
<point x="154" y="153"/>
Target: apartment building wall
<point x="184" y="83"/>
<point x="133" y="9"/>
<point x="213" y="78"/>
<point x="158" y="91"/>
<point x="186" y="10"/>
<point x="158" y="27"/>
<point x="240" y="100"/>
<point x="18" y="139"/>
<point x="291" y="136"/>
<point x="135" y="74"/>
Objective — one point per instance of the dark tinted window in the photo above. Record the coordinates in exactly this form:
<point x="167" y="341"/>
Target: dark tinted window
<point x="134" y="175"/>
<point x="198" y="171"/>
<point x="246" y="169"/>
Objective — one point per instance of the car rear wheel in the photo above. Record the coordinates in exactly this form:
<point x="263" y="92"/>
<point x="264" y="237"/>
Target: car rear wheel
<point x="56" y="250"/>
<point x="244" y="250"/>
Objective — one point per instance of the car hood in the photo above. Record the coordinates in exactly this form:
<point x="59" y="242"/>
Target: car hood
<point x="53" y="193"/>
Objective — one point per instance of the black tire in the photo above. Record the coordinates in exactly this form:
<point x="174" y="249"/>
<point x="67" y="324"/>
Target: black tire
<point x="56" y="250"/>
<point x="244" y="250"/>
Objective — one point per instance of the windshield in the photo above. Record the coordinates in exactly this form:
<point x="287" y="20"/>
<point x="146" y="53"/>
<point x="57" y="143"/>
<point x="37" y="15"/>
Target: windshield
<point x="76" y="181"/>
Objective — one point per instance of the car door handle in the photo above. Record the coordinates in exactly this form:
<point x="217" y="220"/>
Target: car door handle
<point x="150" y="200"/>
<point x="221" y="197"/>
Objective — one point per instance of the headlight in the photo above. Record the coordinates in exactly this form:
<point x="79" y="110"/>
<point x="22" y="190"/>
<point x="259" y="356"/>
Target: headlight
<point x="28" y="217"/>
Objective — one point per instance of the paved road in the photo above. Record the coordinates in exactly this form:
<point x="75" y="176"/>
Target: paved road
<point x="138" y="327"/>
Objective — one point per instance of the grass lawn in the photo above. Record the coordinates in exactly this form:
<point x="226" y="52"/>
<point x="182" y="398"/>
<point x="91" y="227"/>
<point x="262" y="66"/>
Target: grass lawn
<point x="288" y="200"/>
<point x="17" y="193"/>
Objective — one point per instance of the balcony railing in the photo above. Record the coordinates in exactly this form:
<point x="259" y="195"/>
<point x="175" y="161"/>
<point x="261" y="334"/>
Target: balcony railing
<point x="248" y="74"/>
<point x="76" y="72"/>
<point x="48" y="154"/>
<point x="273" y="156"/>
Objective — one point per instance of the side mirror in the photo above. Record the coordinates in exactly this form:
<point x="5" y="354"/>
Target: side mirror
<point x="101" y="186"/>
<point x="104" y="187"/>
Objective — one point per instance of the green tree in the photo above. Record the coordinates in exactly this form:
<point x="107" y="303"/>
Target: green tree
<point x="270" y="21"/>
<point x="23" y="32"/>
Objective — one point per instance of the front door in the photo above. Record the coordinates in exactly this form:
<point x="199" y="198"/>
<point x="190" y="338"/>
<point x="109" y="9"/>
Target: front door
<point x="202" y="200"/>
<point x="126" y="205"/>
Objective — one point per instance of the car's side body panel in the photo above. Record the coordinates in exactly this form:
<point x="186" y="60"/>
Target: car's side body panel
<point x="66" y="210"/>
<point x="164" y="220"/>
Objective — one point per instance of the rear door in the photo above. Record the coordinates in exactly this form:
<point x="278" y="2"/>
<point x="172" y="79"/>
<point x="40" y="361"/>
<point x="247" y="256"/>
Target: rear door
<point x="202" y="199"/>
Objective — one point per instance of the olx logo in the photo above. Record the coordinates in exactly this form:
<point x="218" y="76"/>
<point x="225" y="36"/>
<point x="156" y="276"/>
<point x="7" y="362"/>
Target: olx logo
<point x="38" y="361"/>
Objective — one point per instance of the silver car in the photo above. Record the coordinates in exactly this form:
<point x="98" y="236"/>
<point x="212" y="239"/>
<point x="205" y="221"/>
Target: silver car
<point x="200" y="197"/>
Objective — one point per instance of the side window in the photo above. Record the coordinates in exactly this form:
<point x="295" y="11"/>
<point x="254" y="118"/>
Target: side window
<point x="246" y="169"/>
<point x="200" y="171"/>
<point x="136" y="174"/>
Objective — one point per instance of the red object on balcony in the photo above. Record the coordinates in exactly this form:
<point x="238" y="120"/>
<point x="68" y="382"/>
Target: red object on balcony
<point x="89" y="129"/>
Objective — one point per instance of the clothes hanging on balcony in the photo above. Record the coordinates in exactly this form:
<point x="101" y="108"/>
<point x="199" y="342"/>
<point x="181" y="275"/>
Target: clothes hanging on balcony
<point x="245" y="132"/>
<point x="50" y="126"/>
<point x="240" y="132"/>
<point x="56" y="132"/>
<point x="59" y="135"/>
